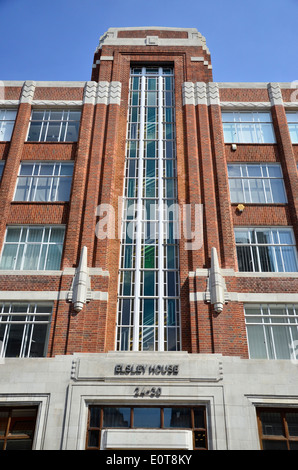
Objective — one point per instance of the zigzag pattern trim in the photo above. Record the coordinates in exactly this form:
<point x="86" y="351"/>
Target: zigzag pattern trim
<point x="213" y="94"/>
<point x="108" y="93"/>
<point x="90" y="93"/>
<point x="27" y="92"/>
<point x="188" y="94"/>
<point x="275" y="95"/>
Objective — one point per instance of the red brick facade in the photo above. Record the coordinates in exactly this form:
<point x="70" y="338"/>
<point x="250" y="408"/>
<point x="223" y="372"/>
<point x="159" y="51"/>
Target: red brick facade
<point x="98" y="156"/>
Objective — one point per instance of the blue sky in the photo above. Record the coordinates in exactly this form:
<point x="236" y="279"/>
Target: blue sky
<point x="252" y="40"/>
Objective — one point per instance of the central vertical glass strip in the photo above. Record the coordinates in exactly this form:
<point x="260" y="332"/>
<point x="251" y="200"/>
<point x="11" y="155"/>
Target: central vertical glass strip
<point x="148" y="294"/>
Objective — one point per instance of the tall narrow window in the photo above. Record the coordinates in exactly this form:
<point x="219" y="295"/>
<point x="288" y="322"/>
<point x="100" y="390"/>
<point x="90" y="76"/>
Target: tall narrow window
<point x="148" y="303"/>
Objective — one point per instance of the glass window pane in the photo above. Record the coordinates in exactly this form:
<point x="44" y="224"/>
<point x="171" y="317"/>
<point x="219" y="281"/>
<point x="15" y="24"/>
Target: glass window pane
<point x="57" y="235"/>
<point x="95" y="416"/>
<point x="274" y="445"/>
<point x="63" y="190"/>
<point x="149" y="283"/>
<point x="31" y="257"/>
<point x="19" y="444"/>
<point x="39" y="336"/>
<point x="53" y="132"/>
<point x="8" y="258"/>
<point x="148" y="339"/>
<point x="272" y="423"/>
<point x="34" y="131"/>
<point x="149" y="311"/>
<point x="93" y="438"/>
<point x="116" y="417"/>
<point x="6" y="129"/>
<point x="146" y="418"/>
<point x="177" y="418"/>
<point x="15" y="337"/>
<point x="256" y="342"/>
<point x="54" y="257"/>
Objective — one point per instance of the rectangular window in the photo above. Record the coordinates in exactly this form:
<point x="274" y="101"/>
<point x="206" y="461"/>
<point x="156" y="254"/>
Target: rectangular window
<point x="292" y="118"/>
<point x="17" y="427"/>
<point x="248" y="127"/>
<point x="266" y="249"/>
<point x="46" y="181"/>
<point x="54" y="125"/>
<point x="32" y="248"/>
<point x="256" y="183"/>
<point x="7" y="120"/>
<point x="272" y="331"/>
<point x="164" y="417"/>
<point x="24" y="329"/>
<point x="278" y="428"/>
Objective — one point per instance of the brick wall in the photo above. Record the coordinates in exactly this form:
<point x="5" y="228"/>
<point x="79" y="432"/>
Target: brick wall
<point x="99" y="154"/>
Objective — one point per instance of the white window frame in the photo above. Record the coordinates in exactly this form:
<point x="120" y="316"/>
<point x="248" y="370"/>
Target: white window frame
<point x="255" y="258"/>
<point x="4" y="119"/>
<point x="9" y="318"/>
<point x="265" y="180"/>
<point x="23" y="241"/>
<point x="267" y="321"/>
<point x="292" y="118"/>
<point x="46" y="120"/>
<point x="238" y="121"/>
<point x="55" y="177"/>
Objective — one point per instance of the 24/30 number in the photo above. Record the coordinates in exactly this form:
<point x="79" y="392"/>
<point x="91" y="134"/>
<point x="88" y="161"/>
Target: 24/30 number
<point x="147" y="392"/>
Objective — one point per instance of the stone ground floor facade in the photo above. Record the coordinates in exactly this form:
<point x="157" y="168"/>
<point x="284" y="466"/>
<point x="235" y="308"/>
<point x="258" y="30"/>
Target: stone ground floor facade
<point x="228" y="392"/>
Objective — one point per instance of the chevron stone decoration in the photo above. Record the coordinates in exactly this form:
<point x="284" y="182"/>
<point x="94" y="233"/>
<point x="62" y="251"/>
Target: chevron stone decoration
<point x="200" y="93"/>
<point x="108" y="93"/>
<point x="28" y="91"/>
<point x="275" y="95"/>
<point x="90" y="93"/>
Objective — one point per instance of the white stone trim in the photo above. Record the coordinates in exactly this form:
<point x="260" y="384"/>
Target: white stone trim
<point x="108" y="93"/>
<point x="28" y="91"/>
<point x="90" y="93"/>
<point x="245" y="104"/>
<point x="254" y="297"/>
<point x="200" y="93"/>
<point x="57" y="103"/>
<point x="36" y="296"/>
<point x="194" y="38"/>
<point x="285" y="85"/>
<point x="9" y="102"/>
<point x="275" y="95"/>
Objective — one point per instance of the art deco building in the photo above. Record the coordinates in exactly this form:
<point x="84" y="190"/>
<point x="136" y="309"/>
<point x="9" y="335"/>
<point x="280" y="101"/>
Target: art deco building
<point x="148" y="260"/>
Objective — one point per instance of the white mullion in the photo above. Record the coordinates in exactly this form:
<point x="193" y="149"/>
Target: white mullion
<point x="46" y="124"/>
<point x="160" y="323"/>
<point x="274" y="246"/>
<point x="47" y="243"/>
<point x="25" y="332"/>
<point x="136" y="319"/>
<point x="18" y="248"/>
<point x="271" y="333"/>
<point x="52" y="182"/>
<point x="32" y="179"/>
